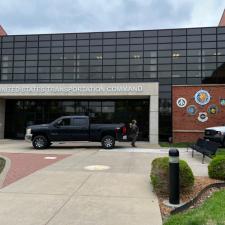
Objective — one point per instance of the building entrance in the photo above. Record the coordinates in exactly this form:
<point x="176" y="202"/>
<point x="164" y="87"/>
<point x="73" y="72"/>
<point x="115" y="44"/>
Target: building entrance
<point x="21" y="113"/>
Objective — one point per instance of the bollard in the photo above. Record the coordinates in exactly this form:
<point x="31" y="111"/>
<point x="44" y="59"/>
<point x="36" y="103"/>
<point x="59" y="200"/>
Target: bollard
<point x="174" y="183"/>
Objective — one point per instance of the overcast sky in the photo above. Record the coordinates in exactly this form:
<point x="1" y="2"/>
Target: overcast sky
<point x="55" y="16"/>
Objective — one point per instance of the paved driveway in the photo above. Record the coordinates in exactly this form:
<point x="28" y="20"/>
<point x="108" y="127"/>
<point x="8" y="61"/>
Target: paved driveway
<point x="114" y="191"/>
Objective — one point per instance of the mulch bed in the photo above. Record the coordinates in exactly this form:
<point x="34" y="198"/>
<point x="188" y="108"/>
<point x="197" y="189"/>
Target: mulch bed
<point x="200" y="183"/>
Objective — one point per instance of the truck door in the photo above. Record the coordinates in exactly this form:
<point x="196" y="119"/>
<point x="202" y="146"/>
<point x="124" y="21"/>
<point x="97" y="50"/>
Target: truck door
<point x="80" y="129"/>
<point x="61" y="130"/>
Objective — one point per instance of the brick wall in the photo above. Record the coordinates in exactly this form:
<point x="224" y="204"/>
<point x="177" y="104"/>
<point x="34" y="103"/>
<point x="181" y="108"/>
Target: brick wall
<point x="187" y="127"/>
<point x="222" y="20"/>
<point x="2" y="31"/>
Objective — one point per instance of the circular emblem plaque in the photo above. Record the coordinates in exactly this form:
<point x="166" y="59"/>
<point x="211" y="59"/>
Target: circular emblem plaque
<point x="202" y="97"/>
<point x="202" y="117"/>
<point x="213" y="109"/>
<point x="222" y="101"/>
<point x="181" y="102"/>
<point x="192" y="110"/>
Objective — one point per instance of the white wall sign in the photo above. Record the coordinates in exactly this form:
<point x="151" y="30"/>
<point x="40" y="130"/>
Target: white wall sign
<point x="202" y="117"/>
<point x="181" y="102"/>
<point x="202" y="97"/>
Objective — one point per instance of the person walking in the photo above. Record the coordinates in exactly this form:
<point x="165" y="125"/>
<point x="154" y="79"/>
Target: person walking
<point x="134" y="130"/>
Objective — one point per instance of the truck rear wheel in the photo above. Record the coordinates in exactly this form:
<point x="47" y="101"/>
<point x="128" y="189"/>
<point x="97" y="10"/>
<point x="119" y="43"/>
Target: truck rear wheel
<point x="40" y="142"/>
<point x="108" y="142"/>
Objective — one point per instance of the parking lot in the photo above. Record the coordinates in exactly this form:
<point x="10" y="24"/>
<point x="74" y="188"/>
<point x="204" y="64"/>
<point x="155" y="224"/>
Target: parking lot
<point x="83" y="184"/>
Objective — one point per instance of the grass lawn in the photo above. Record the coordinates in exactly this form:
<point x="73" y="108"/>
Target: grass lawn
<point x="2" y="164"/>
<point x="211" y="212"/>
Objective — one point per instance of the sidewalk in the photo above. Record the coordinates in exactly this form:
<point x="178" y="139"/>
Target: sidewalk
<point x="66" y="193"/>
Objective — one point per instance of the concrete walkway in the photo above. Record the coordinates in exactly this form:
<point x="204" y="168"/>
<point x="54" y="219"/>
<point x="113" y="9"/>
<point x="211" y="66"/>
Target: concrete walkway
<point x="114" y="191"/>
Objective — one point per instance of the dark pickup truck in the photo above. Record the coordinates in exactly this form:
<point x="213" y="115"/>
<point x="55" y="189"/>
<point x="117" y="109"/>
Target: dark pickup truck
<point x="75" y="128"/>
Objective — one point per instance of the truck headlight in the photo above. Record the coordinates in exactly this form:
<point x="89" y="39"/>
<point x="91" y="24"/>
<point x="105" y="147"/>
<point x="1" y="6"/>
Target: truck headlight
<point x="28" y="131"/>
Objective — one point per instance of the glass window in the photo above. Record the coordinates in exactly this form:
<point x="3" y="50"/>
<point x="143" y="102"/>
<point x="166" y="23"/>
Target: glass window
<point x="32" y="50"/>
<point x="69" y="36"/>
<point x="164" y="67"/>
<point x="69" y="49"/>
<point x="70" y="43"/>
<point x="124" y="41"/>
<point x="19" y="57"/>
<point x="44" y="63"/>
<point x="82" y="55"/>
<point x="57" y="50"/>
<point x="7" y="45"/>
<point x="221" y="37"/>
<point x="209" y="66"/>
<point x="57" y="36"/>
<point x="152" y="68"/>
<point x="83" y="36"/>
<point x="31" y="57"/>
<point x="95" y="62"/>
<point x="150" y="53"/>
<point x="208" y="44"/>
<point x="179" y="46"/>
<point x="7" y="51"/>
<point x="208" y="51"/>
<point x="31" y="77"/>
<point x="44" y="44"/>
<point x="150" y="33"/>
<point x="31" y="63"/>
<point x="209" y="59"/>
<point x="82" y="42"/>
<point x="150" y="75"/>
<point x="19" y="51"/>
<point x="109" y="69"/>
<point x="43" y="69"/>
<point x="122" y="48"/>
<point x="164" y="74"/>
<point x="164" y="53"/>
<point x="109" y="62"/>
<point x="79" y="62"/>
<point x="210" y="30"/>
<point x="44" y="50"/>
<point x="82" y="49"/>
<point x="18" y="76"/>
<point x="109" y="55"/>
<point x="194" y="73"/>
<point x="208" y="73"/>
<point x="31" y="69"/>
<point x="109" y="41"/>
<point x="18" y="64"/>
<point x="19" y="44"/>
<point x="209" y="37"/>
<point x="108" y="76"/>
<point x="95" y="69"/>
<point x="194" y="59"/>
<point x="194" y="45"/>
<point x="122" y="75"/>
<point x="109" y="48"/>
<point x="179" y="32"/>
<point x="176" y="74"/>
<point x="164" y="32"/>
<point x="69" y="69"/>
<point x="122" y="54"/>
<point x="179" y="39"/>
<point x="150" y="40"/>
<point x="164" y="46"/>
<point x="136" y="61"/>
<point x="150" y="47"/>
<point x="109" y="34"/>
<point x="122" y="68"/>
<point x="122" y="61"/>
<point x="136" y="41"/>
<point x="164" y="60"/>
<point x="136" y="67"/>
<point x="69" y="56"/>
<point x="221" y="44"/>
<point x="32" y="38"/>
<point x="164" y="39"/>
<point x="56" y="63"/>
<point x="179" y="59"/>
<point x="136" y="75"/>
<point x="194" y="38"/>
<point x="19" y="70"/>
<point x="194" y="52"/>
<point x="44" y="56"/>
<point x="194" y="66"/>
<point x="56" y="69"/>
<point x="179" y="66"/>
<point x="122" y="34"/>
<point x="56" y="76"/>
<point x="136" y="33"/>
<point x="96" y="35"/>
<point x="193" y="31"/>
<point x="150" y="60"/>
<point x="57" y="43"/>
<point x="95" y="48"/>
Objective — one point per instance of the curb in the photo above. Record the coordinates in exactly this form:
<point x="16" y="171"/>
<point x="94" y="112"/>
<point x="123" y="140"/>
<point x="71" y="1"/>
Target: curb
<point x="195" y="199"/>
<point x="5" y="170"/>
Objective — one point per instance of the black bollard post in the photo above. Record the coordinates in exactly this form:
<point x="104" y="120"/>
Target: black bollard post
<point x="174" y="187"/>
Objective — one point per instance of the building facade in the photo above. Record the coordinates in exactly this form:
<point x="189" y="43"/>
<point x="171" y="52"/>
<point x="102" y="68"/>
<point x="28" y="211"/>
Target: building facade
<point x="83" y="64"/>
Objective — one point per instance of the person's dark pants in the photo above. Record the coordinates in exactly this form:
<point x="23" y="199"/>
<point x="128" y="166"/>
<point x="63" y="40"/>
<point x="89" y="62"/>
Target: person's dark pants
<point x="134" y="139"/>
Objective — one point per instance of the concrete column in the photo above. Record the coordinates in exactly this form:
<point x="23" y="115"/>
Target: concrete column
<point x="154" y="119"/>
<point x="2" y="118"/>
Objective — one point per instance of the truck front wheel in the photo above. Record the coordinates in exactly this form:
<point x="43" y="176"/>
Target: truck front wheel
<point x="40" y="142"/>
<point x="108" y="142"/>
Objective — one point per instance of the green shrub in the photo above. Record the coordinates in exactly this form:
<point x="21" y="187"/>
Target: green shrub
<point x="216" y="168"/>
<point x="2" y="164"/>
<point x="220" y="152"/>
<point x="160" y="175"/>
